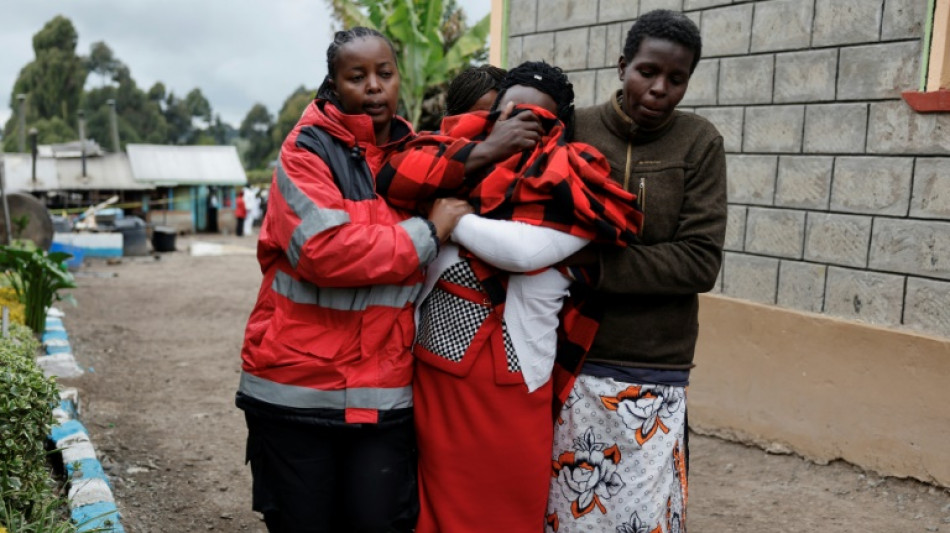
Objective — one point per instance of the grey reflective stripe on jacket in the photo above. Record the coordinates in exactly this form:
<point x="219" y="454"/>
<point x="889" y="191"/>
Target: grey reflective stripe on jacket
<point x="422" y="239"/>
<point x="313" y="219"/>
<point x="345" y="298"/>
<point x="307" y="398"/>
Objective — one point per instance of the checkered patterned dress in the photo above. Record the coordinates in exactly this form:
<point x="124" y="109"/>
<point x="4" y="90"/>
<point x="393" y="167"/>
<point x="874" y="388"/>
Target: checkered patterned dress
<point x="448" y="323"/>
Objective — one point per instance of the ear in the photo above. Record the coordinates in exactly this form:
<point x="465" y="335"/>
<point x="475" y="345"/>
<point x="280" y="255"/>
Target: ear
<point x="621" y="67"/>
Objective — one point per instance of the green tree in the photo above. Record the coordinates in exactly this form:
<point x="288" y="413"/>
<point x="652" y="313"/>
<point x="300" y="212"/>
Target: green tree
<point x="198" y="106"/>
<point x="53" y="83"/>
<point x="417" y="28"/>
<point x="256" y="129"/>
<point x="290" y="113"/>
<point x="102" y="61"/>
<point x="139" y="117"/>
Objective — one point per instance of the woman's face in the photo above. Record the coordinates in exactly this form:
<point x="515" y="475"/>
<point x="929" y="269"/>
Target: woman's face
<point x="654" y="81"/>
<point x="523" y="94"/>
<point x="367" y="81"/>
<point x="484" y="102"/>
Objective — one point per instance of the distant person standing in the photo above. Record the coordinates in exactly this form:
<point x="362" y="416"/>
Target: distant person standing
<point x="253" y="208"/>
<point x="240" y="213"/>
<point x="212" y="220"/>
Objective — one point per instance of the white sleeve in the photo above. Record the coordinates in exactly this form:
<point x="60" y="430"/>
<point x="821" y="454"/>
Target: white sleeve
<point x="515" y="246"/>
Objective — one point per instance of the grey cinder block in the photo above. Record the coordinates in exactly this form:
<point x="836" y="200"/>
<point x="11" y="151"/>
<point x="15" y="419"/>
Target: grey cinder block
<point x="927" y="306"/>
<point x="873" y="185"/>
<point x="584" y="83"/>
<point x="846" y="22"/>
<point x="751" y="178"/>
<point x="903" y="19"/>
<point x="728" y="120"/>
<point x="557" y="14"/>
<point x="806" y="76"/>
<point x="931" y="197"/>
<point x="522" y="16"/>
<point x="919" y="247"/>
<point x="837" y="239"/>
<point x="878" y="71"/>
<point x="895" y="128"/>
<point x="781" y="25"/>
<point x="735" y="228"/>
<point x="773" y="129"/>
<point x="750" y="277"/>
<point x="538" y="46"/>
<point x="866" y="296"/>
<point x="745" y="80"/>
<point x="835" y="128"/>
<point x="703" y="84"/>
<point x="775" y="232"/>
<point x="801" y="286"/>
<point x="571" y="48"/>
<point x="804" y="181"/>
<point x="727" y="30"/>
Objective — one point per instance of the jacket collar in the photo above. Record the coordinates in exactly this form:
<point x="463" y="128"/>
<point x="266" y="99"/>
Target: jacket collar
<point x="621" y="125"/>
<point x="354" y="129"/>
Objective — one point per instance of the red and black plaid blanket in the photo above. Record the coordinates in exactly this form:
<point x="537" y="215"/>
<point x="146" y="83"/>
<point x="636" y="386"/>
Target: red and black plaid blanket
<point x="559" y="184"/>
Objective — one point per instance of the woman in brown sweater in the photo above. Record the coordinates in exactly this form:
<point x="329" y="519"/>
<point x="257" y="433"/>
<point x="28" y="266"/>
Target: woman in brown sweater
<point x="620" y="448"/>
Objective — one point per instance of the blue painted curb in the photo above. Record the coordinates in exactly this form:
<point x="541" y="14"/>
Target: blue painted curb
<point x="70" y="427"/>
<point x="50" y="350"/>
<point x="96" y="516"/>
<point x="54" y="334"/>
<point x="87" y="469"/>
<point x="88" y="481"/>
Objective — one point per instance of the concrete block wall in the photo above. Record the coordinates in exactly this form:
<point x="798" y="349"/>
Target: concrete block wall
<point x="839" y="192"/>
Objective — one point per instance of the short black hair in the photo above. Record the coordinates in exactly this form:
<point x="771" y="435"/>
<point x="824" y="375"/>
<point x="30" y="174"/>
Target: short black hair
<point x="341" y="38"/>
<point x="471" y="85"/>
<point x="667" y="25"/>
<point x="548" y="79"/>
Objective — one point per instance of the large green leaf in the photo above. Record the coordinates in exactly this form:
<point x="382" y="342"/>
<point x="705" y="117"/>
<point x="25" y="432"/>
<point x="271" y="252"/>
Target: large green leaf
<point x="469" y="43"/>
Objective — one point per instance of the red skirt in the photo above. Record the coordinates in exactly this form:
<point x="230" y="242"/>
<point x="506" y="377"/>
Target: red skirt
<point x="484" y="442"/>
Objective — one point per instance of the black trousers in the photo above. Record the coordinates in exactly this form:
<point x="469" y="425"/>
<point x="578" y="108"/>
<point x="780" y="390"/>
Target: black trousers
<point x="310" y="478"/>
<point x="239" y="230"/>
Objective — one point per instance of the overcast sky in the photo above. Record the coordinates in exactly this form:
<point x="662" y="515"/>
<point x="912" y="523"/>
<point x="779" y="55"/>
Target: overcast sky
<point x="237" y="52"/>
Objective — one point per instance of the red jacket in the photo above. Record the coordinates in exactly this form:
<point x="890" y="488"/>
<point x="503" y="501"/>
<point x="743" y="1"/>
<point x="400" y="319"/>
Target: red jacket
<point x="333" y="325"/>
<point x="240" y="211"/>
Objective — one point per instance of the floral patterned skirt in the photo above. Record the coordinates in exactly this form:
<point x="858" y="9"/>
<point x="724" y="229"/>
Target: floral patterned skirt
<point x="619" y="460"/>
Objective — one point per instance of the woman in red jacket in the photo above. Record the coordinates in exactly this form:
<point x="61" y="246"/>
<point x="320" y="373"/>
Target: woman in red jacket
<point x="240" y="213"/>
<point x="327" y="370"/>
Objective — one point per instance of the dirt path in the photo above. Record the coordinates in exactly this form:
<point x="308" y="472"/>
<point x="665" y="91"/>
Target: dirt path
<point x="161" y="341"/>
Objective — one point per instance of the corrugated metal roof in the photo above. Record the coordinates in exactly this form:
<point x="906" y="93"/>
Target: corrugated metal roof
<point x="108" y="172"/>
<point x="163" y="165"/>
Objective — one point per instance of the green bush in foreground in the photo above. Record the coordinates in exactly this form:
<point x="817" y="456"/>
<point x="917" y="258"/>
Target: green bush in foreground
<point x="46" y="516"/>
<point x="27" y="399"/>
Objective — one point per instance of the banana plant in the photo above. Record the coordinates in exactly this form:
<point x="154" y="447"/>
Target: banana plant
<point x="37" y="277"/>
<point x="414" y="26"/>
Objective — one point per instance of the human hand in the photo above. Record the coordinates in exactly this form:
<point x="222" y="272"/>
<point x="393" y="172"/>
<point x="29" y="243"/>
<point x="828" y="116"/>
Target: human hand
<point x="445" y="214"/>
<point x="509" y="135"/>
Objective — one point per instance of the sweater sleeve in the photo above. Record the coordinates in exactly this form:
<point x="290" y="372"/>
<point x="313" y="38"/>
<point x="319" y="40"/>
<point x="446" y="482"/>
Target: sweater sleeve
<point x="515" y="246"/>
<point x="325" y="243"/>
<point x="689" y="263"/>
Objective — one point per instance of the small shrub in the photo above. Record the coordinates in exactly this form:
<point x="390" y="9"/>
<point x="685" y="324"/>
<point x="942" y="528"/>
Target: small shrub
<point x="46" y="516"/>
<point x="38" y="277"/>
<point x="9" y="299"/>
<point x="27" y="399"/>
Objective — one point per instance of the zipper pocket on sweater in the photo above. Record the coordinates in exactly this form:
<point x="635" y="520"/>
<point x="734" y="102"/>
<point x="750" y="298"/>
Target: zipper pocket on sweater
<point x="642" y="201"/>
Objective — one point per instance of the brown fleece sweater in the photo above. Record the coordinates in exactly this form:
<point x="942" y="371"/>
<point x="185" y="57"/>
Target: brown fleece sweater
<point x="650" y="290"/>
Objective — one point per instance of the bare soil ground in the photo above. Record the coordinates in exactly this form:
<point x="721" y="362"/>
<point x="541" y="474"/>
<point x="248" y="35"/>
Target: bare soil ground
<point x="160" y="340"/>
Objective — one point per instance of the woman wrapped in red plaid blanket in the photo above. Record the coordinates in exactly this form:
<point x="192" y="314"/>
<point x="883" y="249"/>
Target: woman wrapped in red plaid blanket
<point x="486" y="339"/>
